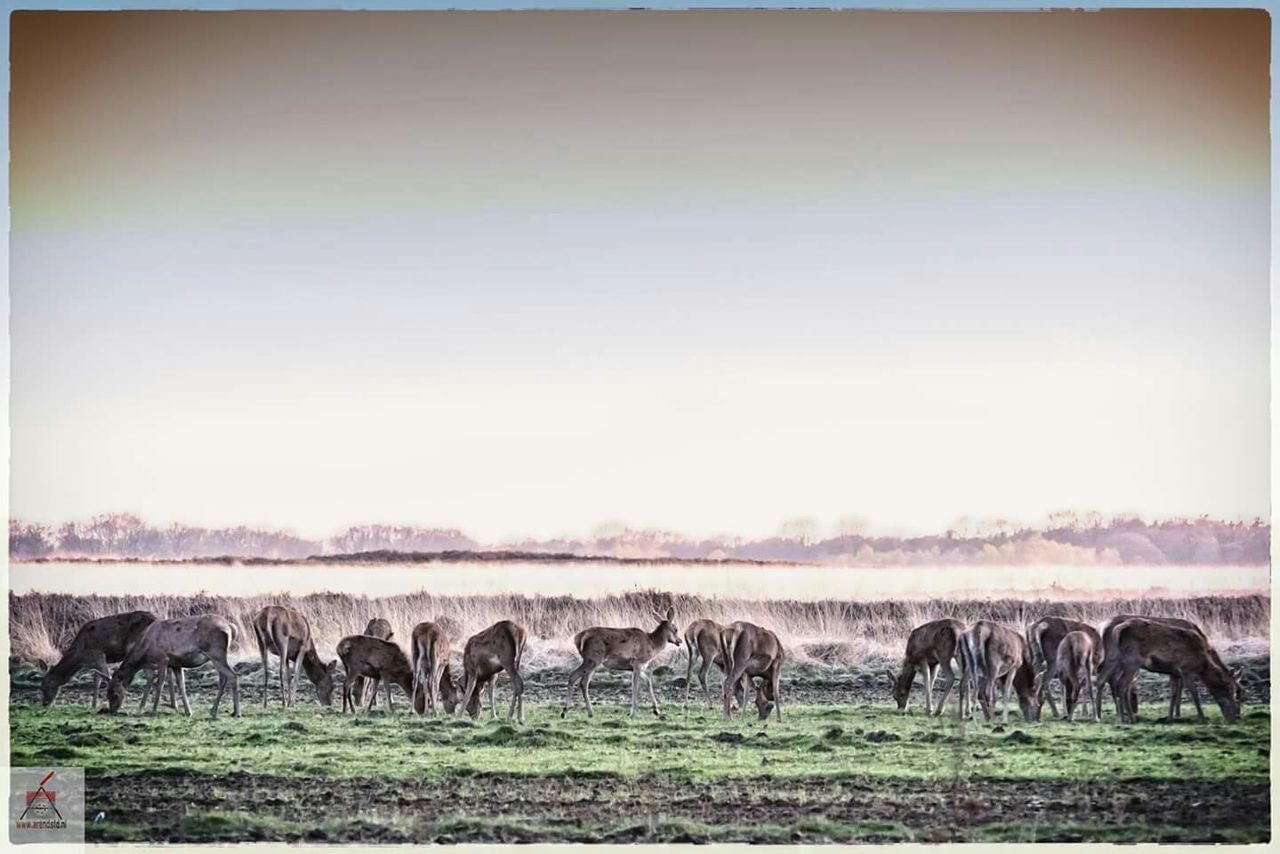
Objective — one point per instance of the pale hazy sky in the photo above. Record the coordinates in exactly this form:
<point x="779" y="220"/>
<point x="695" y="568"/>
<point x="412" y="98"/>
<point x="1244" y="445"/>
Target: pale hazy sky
<point x="523" y="273"/>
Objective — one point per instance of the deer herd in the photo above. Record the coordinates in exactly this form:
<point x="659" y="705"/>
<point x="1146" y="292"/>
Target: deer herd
<point x="992" y="661"/>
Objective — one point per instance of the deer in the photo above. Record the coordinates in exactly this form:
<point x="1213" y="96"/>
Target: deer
<point x="377" y="627"/>
<point x="1160" y="646"/>
<point x="1043" y="636"/>
<point x="490" y="652"/>
<point x="1175" y="680"/>
<point x="621" y="650"/>
<point x="702" y="640"/>
<point x="429" y="651"/>
<point x="278" y="628"/>
<point x="995" y="653"/>
<point x="1074" y="664"/>
<point x="98" y="643"/>
<point x="751" y="651"/>
<point x="930" y="650"/>
<point x="174" y="645"/>
<point x="383" y="662"/>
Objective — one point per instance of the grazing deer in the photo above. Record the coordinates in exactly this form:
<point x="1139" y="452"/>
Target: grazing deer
<point x="429" y="650"/>
<point x="702" y="640"/>
<point x="376" y="628"/>
<point x="98" y="643"/>
<point x="751" y="651"/>
<point x="930" y="649"/>
<point x="177" y="644"/>
<point x="621" y="650"/>
<point x="490" y="652"/>
<point x="1162" y="647"/>
<point x="1073" y="664"/>
<point x="1175" y="680"/>
<point x="1043" y="636"/>
<point x="995" y="653"/>
<point x="382" y="662"/>
<point x="278" y="628"/>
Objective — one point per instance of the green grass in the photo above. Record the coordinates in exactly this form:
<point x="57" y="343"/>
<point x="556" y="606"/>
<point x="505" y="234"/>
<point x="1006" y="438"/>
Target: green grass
<point x="867" y="739"/>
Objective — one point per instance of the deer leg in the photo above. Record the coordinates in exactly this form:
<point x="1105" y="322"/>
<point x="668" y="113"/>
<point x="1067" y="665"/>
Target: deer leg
<point x="688" y="672"/>
<point x="493" y="707"/>
<point x="1008" y="684"/>
<point x="653" y="697"/>
<point x="1046" y="692"/>
<point x="181" y="675"/>
<point x="586" y="691"/>
<point x="574" y="678"/>
<point x="390" y="708"/>
<point x="297" y="668"/>
<point x="1193" y="686"/>
<point x="282" y="638"/>
<point x="948" y="679"/>
<point x="266" y="670"/>
<point x="775" y="680"/>
<point x="373" y="695"/>
<point x="930" y="671"/>
<point x="517" y="694"/>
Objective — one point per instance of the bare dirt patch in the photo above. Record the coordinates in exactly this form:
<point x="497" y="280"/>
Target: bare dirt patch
<point x="156" y="806"/>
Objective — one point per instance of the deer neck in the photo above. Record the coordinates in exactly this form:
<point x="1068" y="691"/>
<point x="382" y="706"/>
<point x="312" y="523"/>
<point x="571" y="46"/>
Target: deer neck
<point x="656" y="641"/>
<point x="313" y="666"/>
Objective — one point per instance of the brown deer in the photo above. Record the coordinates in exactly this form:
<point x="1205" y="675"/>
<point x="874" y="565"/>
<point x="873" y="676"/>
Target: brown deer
<point x="702" y="640"/>
<point x="751" y="651"/>
<point x="98" y="643"/>
<point x="995" y="653"/>
<point x="1074" y="665"/>
<point x="429" y="650"/>
<point x="1162" y="647"/>
<point x="375" y="628"/>
<point x="490" y="652"/>
<point x="930" y="650"/>
<point x="1043" y="636"/>
<point x="1175" y="680"/>
<point x="382" y="662"/>
<point x="180" y="643"/>
<point x="278" y="628"/>
<point x="621" y="650"/>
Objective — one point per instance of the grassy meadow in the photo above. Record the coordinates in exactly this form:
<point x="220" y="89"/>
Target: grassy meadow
<point x="842" y="766"/>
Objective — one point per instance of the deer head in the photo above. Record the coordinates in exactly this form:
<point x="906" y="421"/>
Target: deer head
<point x="667" y="627"/>
<point x="324" y="688"/>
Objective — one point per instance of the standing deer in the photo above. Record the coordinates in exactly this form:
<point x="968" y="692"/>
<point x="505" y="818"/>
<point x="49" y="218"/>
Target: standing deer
<point x="751" y="651"/>
<point x="702" y="640"/>
<point x="490" y="652"/>
<point x="278" y="628"/>
<point x="1161" y="647"/>
<point x="383" y="662"/>
<point x="180" y="643"/>
<point x="429" y="651"/>
<point x="930" y="649"/>
<point x="98" y="643"/>
<point x="376" y="628"/>
<point x="621" y="650"/>
<point x="1043" y="637"/>
<point x="995" y="653"/>
<point x="1175" y="680"/>
<point x="1074" y="664"/>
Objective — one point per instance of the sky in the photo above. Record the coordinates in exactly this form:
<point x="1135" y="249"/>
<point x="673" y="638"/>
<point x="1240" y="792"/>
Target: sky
<point x="525" y="273"/>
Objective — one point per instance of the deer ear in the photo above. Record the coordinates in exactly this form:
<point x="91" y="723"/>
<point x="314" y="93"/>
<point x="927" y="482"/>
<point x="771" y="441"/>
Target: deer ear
<point x="671" y="614"/>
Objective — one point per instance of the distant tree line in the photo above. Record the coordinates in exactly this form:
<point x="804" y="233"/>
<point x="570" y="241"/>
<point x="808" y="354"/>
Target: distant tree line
<point x="1066" y="538"/>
